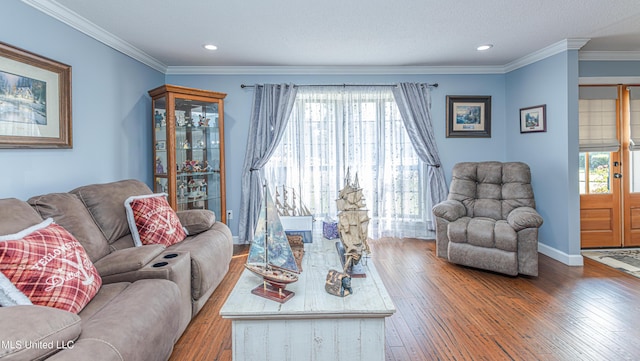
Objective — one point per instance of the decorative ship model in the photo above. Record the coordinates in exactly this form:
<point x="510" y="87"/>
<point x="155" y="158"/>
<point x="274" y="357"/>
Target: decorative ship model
<point x="270" y="255"/>
<point x="353" y="224"/>
<point x="294" y="207"/>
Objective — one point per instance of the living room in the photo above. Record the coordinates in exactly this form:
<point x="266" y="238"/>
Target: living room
<point x="112" y="112"/>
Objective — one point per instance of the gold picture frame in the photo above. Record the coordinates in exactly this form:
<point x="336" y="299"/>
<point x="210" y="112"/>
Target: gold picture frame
<point x="35" y="100"/>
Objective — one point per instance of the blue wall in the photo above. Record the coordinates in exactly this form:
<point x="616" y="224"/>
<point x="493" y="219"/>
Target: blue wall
<point x="110" y="114"/>
<point x="452" y="150"/>
<point x="112" y="131"/>
<point x="552" y="155"/>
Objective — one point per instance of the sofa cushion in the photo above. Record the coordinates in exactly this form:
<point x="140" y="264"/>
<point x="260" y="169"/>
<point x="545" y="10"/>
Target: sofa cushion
<point x="33" y="332"/>
<point x="138" y="321"/>
<point x="67" y="210"/>
<point x="196" y="220"/>
<point x="48" y="265"/>
<point x="105" y="203"/>
<point x="16" y="215"/>
<point x="153" y="221"/>
<point x="210" y="252"/>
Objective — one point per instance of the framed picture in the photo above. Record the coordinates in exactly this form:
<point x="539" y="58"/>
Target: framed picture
<point x="35" y="100"/>
<point x="533" y="119"/>
<point x="468" y="116"/>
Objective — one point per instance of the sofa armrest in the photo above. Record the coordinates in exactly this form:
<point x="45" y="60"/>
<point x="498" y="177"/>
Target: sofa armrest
<point x="196" y="220"/>
<point x="449" y="210"/>
<point x="524" y="217"/>
<point x="33" y="332"/>
<point x="127" y="259"/>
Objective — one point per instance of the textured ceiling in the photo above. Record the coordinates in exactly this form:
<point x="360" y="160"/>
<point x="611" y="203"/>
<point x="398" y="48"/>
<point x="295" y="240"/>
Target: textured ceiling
<point x="358" y="32"/>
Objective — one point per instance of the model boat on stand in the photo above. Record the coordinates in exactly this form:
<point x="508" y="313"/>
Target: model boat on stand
<point x="353" y="226"/>
<point x="293" y="207"/>
<point x="270" y="256"/>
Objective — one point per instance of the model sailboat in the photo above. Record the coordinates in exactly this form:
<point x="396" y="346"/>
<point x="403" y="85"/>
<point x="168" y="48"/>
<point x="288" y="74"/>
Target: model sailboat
<point x="353" y="225"/>
<point x="270" y="255"/>
<point x="295" y="207"/>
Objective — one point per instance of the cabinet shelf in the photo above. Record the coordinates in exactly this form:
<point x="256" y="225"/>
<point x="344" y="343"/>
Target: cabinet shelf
<point x="195" y="174"/>
<point x="172" y="108"/>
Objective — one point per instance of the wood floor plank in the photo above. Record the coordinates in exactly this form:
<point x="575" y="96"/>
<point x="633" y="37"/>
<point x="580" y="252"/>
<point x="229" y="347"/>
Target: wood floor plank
<point x="450" y="312"/>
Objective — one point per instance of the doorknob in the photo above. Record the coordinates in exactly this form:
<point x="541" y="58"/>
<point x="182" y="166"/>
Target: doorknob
<point x="617" y="175"/>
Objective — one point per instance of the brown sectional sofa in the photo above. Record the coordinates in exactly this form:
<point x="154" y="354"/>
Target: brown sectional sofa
<point x="149" y="293"/>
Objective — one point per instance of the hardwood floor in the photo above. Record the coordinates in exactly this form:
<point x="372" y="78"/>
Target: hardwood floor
<point x="449" y="312"/>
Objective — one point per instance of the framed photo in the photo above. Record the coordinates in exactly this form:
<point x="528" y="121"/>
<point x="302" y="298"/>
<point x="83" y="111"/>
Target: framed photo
<point x="35" y="100"/>
<point x="468" y="116"/>
<point x="533" y="119"/>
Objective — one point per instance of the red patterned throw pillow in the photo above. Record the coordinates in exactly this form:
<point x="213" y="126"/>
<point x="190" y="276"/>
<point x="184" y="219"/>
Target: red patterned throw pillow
<point x="153" y="221"/>
<point x="49" y="266"/>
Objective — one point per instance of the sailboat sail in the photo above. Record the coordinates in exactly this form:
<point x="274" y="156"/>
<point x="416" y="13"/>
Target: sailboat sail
<point x="269" y="230"/>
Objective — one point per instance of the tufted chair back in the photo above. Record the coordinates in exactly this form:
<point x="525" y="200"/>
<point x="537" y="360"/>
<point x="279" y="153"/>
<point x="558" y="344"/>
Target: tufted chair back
<point x="492" y="189"/>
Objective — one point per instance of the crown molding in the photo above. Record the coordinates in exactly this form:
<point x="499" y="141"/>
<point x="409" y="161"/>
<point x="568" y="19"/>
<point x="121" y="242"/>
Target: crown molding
<point x="609" y="55"/>
<point x="553" y="49"/>
<point x="331" y="70"/>
<point x="61" y="13"/>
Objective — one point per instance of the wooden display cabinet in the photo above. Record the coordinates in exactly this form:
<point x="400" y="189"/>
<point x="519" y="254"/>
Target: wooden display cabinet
<point x="188" y="152"/>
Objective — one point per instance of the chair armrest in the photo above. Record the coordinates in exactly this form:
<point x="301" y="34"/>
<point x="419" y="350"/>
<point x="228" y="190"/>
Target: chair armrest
<point x="449" y="210"/>
<point x="196" y="220"/>
<point x="33" y="332"/>
<point x="524" y="217"/>
<point x="127" y="259"/>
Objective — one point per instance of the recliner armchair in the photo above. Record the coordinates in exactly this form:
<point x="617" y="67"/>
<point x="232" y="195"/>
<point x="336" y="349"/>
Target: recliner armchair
<point x="489" y="220"/>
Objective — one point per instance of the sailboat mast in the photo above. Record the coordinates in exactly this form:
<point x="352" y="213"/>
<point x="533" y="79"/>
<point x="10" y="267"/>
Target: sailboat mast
<point x="266" y="225"/>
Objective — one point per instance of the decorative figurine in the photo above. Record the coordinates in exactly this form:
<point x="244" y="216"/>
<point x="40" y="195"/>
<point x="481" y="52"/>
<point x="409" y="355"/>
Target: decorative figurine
<point x="159" y="118"/>
<point x="185" y="144"/>
<point x="203" y="122"/>
<point x="181" y="188"/>
<point x="159" y="166"/>
<point x="207" y="167"/>
<point x="203" y="187"/>
<point x="180" y="120"/>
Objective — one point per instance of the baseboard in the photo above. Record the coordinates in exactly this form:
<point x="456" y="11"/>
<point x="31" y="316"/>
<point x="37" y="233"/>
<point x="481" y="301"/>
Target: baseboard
<point x="568" y="259"/>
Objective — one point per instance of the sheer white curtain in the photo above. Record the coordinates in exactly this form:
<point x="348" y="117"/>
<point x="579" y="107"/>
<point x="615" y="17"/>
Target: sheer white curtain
<point x="332" y="129"/>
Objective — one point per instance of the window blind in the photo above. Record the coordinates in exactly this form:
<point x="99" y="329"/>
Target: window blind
<point x="634" y="117"/>
<point x="597" y="119"/>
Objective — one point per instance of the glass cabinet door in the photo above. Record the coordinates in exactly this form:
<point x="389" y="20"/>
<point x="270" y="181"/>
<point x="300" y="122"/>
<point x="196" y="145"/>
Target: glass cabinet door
<point x="197" y="142"/>
<point x="189" y="148"/>
<point x="160" y="169"/>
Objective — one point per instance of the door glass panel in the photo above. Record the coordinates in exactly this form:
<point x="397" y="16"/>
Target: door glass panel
<point x="599" y="172"/>
<point x="582" y="174"/>
<point x="634" y="169"/>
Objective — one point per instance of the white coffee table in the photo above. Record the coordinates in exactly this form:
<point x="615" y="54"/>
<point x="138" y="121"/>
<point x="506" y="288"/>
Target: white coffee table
<point x="313" y="325"/>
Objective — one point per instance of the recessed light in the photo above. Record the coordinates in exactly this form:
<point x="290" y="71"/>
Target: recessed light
<point x="484" y="47"/>
<point x="210" y="47"/>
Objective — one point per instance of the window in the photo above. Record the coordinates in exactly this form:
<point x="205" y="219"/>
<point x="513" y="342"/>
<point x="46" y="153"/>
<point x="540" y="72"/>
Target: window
<point x="598" y="137"/>
<point x="333" y="129"/>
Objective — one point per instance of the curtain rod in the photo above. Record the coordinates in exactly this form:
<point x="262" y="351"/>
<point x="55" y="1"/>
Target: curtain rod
<point x="343" y="85"/>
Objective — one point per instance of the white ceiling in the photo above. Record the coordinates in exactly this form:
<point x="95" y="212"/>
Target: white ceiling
<point x="297" y="33"/>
